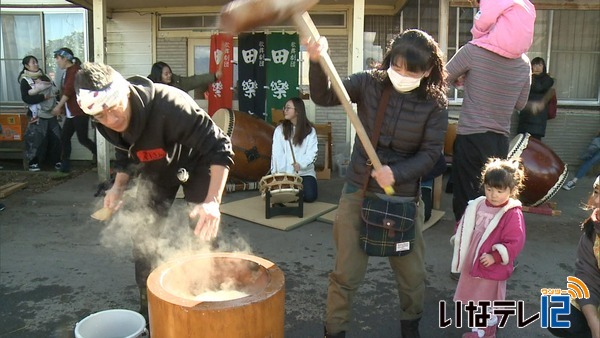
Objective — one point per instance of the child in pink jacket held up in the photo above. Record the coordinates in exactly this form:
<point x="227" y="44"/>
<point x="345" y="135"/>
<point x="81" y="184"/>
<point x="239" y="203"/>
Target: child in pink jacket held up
<point x="504" y="27"/>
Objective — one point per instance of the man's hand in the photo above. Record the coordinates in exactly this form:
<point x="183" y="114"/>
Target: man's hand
<point x="113" y="198"/>
<point x="209" y="219"/>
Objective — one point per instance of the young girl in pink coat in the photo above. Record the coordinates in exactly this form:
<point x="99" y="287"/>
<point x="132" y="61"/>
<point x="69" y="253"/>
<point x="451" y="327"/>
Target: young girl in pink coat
<point x="488" y="238"/>
<point x="504" y="27"/>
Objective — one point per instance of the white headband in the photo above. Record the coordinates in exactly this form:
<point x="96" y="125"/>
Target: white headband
<point x="93" y="102"/>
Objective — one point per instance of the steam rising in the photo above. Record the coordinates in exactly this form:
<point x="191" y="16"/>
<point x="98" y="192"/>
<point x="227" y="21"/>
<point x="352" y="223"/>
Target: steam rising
<point x="170" y="237"/>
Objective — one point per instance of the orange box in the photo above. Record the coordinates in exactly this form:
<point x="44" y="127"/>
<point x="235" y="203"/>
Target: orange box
<point x="13" y="126"/>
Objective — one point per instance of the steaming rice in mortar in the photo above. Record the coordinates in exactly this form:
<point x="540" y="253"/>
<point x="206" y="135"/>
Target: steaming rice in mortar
<point x="227" y="282"/>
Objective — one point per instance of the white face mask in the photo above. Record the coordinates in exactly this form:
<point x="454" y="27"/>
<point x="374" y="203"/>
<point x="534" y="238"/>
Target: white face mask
<point x="403" y="83"/>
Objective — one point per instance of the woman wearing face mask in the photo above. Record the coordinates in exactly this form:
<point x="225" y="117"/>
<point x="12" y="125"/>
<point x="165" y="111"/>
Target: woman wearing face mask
<point x="411" y="138"/>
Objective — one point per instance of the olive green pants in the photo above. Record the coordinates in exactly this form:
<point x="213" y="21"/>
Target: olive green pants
<point x="351" y="265"/>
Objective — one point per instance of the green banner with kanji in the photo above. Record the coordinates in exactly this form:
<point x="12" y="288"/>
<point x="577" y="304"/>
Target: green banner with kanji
<point x="283" y="51"/>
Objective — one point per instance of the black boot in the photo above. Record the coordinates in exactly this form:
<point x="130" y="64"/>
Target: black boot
<point x="410" y="328"/>
<point x="329" y="335"/>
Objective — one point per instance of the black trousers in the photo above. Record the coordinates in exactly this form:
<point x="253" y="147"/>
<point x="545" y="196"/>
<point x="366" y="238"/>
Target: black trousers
<point x="309" y="189"/>
<point x="157" y="200"/>
<point x="79" y="125"/>
<point x="471" y="152"/>
<point x="42" y="141"/>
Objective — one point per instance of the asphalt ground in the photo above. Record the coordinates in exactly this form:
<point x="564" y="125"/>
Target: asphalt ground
<point x="57" y="265"/>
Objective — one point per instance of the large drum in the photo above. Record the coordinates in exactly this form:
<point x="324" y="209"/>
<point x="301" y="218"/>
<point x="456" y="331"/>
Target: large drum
<point x="450" y="138"/>
<point x="251" y="138"/>
<point x="284" y="188"/>
<point x="545" y="172"/>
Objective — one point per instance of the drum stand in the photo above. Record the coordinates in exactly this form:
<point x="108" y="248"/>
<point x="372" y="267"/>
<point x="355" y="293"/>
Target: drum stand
<point x="276" y="210"/>
<point x="548" y="208"/>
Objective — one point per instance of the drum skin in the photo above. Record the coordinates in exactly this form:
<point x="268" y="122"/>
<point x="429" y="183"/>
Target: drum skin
<point x="545" y="172"/>
<point x="251" y="138"/>
<point x="284" y="188"/>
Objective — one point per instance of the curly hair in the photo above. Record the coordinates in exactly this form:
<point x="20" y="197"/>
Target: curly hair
<point x="501" y="174"/>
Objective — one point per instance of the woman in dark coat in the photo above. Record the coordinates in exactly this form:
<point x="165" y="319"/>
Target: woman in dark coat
<point x="534" y="117"/>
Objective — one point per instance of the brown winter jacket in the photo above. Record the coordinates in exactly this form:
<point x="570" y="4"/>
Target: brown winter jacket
<point x="412" y="133"/>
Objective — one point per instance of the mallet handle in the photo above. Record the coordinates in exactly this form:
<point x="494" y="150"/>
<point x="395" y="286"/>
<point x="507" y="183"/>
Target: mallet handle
<point x="307" y="28"/>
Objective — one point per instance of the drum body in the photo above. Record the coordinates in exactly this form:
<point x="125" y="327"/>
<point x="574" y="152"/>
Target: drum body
<point x="450" y="138"/>
<point x="545" y="172"/>
<point x="251" y="138"/>
<point x="283" y="187"/>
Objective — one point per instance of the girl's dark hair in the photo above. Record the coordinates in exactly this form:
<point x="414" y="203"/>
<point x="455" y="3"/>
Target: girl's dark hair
<point x="303" y="125"/>
<point x="419" y="53"/>
<point x="25" y="62"/>
<point x="539" y="61"/>
<point x="501" y="174"/>
<point x="156" y="71"/>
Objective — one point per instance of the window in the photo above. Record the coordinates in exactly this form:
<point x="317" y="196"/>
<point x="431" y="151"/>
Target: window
<point x="37" y="33"/>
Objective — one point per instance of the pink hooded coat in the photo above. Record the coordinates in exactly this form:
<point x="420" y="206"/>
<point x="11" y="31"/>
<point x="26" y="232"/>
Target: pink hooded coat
<point x="504" y="27"/>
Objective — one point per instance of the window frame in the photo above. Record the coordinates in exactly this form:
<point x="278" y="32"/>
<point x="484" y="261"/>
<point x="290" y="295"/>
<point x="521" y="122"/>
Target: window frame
<point x="42" y="59"/>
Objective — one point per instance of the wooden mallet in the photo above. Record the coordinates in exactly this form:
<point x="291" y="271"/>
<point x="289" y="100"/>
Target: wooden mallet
<point x="243" y="15"/>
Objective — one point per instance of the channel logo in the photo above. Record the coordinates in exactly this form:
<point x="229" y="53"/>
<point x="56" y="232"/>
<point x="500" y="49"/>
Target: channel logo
<point x="554" y="303"/>
<point x="577" y="289"/>
<point x="549" y="314"/>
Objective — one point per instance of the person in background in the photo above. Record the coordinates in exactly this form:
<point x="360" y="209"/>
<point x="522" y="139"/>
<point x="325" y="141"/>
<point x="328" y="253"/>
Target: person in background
<point x="427" y="184"/>
<point x="295" y="147"/>
<point x="585" y="312"/>
<point x="534" y="117"/>
<point x="77" y="121"/>
<point x="410" y="142"/>
<point x="591" y="157"/>
<point x="42" y="137"/>
<point x="163" y="137"/>
<point x="495" y="75"/>
<point x="494" y="86"/>
<point x="488" y="238"/>
<point x="161" y="73"/>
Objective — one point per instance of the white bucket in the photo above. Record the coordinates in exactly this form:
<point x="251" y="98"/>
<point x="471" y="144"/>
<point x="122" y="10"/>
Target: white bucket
<point x="112" y="324"/>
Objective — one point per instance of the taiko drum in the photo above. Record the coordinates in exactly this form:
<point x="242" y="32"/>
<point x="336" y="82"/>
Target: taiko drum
<point x="251" y="138"/>
<point x="545" y="172"/>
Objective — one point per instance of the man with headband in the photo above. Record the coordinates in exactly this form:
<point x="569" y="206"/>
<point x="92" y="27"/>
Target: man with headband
<point x="161" y="134"/>
<point x="76" y="121"/>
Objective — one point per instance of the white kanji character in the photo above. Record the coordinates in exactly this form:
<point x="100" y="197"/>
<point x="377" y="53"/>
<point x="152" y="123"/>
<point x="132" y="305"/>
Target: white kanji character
<point x="279" y="88"/>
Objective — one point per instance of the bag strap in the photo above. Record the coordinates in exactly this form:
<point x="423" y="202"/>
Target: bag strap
<point x="378" y="123"/>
